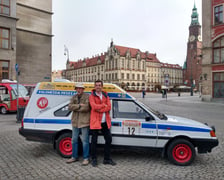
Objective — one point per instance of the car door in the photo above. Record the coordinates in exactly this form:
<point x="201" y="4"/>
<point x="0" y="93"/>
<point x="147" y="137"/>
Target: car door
<point x="132" y="125"/>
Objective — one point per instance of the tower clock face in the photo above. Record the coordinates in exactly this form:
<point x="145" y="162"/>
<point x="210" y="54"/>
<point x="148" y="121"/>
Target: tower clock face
<point x="192" y="38"/>
<point x="199" y="38"/>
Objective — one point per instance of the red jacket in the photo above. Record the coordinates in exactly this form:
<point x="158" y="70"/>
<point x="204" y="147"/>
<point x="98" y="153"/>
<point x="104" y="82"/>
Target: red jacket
<point x="99" y="107"/>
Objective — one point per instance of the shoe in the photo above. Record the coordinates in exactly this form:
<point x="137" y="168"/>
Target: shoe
<point x="94" y="162"/>
<point x="71" y="160"/>
<point x="85" y="162"/>
<point x="110" y="161"/>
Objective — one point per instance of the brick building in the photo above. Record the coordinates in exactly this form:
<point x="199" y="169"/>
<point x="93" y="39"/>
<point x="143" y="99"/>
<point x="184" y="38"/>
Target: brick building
<point x="213" y="50"/>
<point x="192" y="66"/>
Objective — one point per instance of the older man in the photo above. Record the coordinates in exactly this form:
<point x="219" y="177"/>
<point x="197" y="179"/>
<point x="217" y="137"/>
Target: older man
<point x="80" y="107"/>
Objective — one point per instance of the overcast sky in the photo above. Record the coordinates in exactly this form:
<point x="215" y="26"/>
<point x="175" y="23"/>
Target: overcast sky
<point x="86" y="27"/>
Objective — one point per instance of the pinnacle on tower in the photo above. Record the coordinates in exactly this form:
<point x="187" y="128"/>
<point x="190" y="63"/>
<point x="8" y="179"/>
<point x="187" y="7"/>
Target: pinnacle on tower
<point x="194" y="16"/>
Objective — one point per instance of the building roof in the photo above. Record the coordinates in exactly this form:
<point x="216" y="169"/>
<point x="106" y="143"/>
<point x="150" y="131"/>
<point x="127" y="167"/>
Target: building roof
<point x="133" y="51"/>
<point x="99" y="59"/>
<point x="173" y="66"/>
<point x="87" y="62"/>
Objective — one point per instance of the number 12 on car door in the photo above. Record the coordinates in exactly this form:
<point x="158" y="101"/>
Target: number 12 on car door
<point x="131" y="127"/>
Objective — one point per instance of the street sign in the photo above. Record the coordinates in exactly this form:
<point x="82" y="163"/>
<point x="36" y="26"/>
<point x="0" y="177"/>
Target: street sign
<point x="16" y="67"/>
<point x="166" y="79"/>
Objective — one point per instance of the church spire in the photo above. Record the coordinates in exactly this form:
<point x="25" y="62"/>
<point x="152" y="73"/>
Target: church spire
<point x="194" y="16"/>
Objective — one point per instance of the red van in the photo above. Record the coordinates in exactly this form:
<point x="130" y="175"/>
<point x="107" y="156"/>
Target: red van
<point x="8" y="94"/>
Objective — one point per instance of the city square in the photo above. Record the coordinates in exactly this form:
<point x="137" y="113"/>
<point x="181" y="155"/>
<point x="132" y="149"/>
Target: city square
<point x="21" y="159"/>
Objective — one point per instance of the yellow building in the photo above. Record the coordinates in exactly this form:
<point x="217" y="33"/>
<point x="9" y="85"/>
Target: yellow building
<point x="128" y="67"/>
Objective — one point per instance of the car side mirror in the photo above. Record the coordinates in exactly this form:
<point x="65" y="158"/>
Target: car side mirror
<point x="148" y="119"/>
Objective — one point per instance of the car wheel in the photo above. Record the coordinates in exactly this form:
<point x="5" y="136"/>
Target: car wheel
<point x="64" y="145"/>
<point x="181" y="152"/>
<point x="3" y="110"/>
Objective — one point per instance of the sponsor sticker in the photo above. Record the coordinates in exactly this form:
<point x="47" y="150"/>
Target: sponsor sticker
<point x="42" y="103"/>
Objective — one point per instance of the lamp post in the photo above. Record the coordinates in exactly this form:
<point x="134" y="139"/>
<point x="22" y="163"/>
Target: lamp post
<point x="191" y="77"/>
<point x="66" y="52"/>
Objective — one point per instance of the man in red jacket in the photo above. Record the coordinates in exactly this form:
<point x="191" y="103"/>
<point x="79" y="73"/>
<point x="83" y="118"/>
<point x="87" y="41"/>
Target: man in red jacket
<point x="100" y="120"/>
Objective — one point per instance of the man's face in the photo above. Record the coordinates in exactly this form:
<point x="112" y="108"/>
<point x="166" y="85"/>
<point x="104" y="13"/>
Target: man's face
<point x="98" y="87"/>
<point x="79" y="90"/>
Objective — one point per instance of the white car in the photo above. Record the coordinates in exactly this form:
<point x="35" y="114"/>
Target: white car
<point x="47" y="119"/>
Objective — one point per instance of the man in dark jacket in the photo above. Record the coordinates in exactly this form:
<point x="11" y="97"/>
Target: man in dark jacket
<point x="79" y="105"/>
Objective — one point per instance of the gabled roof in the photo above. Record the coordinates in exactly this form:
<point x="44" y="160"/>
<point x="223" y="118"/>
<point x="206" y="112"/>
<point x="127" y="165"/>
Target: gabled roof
<point x="89" y="61"/>
<point x="133" y="51"/>
<point x="173" y="66"/>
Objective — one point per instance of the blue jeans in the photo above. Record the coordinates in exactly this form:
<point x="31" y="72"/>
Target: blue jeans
<point x="85" y="141"/>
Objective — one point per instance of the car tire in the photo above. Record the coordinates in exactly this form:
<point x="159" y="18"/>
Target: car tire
<point x="181" y="152"/>
<point x="3" y="110"/>
<point x="64" y="145"/>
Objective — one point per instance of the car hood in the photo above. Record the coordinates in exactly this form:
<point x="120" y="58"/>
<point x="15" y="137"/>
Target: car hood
<point x="185" y="121"/>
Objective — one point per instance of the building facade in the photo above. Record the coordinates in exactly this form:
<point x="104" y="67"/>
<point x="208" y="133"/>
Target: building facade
<point x="56" y="75"/>
<point x="192" y="69"/>
<point x="26" y="40"/>
<point x="8" y="21"/>
<point x="128" y="67"/>
<point x="213" y="50"/>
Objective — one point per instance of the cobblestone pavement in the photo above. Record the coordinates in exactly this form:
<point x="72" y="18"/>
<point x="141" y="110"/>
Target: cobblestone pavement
<point x="21" y="159"/>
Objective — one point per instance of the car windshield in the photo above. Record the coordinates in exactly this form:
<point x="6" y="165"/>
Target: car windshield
<point x="22" y="90"/>
<point x="156" y="113"/>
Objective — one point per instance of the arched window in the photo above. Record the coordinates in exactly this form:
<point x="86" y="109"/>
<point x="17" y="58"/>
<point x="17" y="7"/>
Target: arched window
<point x="218" y="51"/>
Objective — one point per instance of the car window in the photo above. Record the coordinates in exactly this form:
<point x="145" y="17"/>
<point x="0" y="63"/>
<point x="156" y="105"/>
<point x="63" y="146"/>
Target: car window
<point x="128" y="109"/>
<point x="62" y="112"/>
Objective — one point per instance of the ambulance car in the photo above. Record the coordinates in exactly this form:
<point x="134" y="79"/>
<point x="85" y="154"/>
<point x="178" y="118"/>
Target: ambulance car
<point x="47" y="119"/>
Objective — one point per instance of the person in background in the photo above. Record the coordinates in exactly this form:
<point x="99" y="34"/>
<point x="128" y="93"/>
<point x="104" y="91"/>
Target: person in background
<point x="143" y="92"/>
<point x="100" y="120"/>
<point x="79" y="105"/>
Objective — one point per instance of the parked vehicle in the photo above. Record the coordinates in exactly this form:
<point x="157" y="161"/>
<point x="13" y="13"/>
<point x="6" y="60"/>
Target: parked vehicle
<point x="8" y="96"/>
<point x="47" y="119"/>
<point x="30" y="88"/>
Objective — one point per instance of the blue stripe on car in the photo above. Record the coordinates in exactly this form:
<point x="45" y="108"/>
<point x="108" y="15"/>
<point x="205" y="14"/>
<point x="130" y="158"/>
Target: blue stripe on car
<point x="143" y="125"/>
<point x="47" y="121"/>
<point x="181" y="128"/>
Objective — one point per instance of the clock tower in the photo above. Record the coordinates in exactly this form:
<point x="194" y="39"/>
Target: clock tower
<point x="192" y="65"/>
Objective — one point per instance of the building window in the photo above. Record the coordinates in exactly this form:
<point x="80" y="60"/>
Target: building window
<point x="4" y="38"/>
<point x="5" y="7"/>
<point x="4" y="70"/>
<point x="218" y="14"/>
<point x="122" y="75"/>
<point x="115" y="63"/>
<point x="139" y="64"/>
<point x="218" y="51"/>
<point x="127" y="76"/>
<point x="218" y="81"/>
<point x="133" y="76"/>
